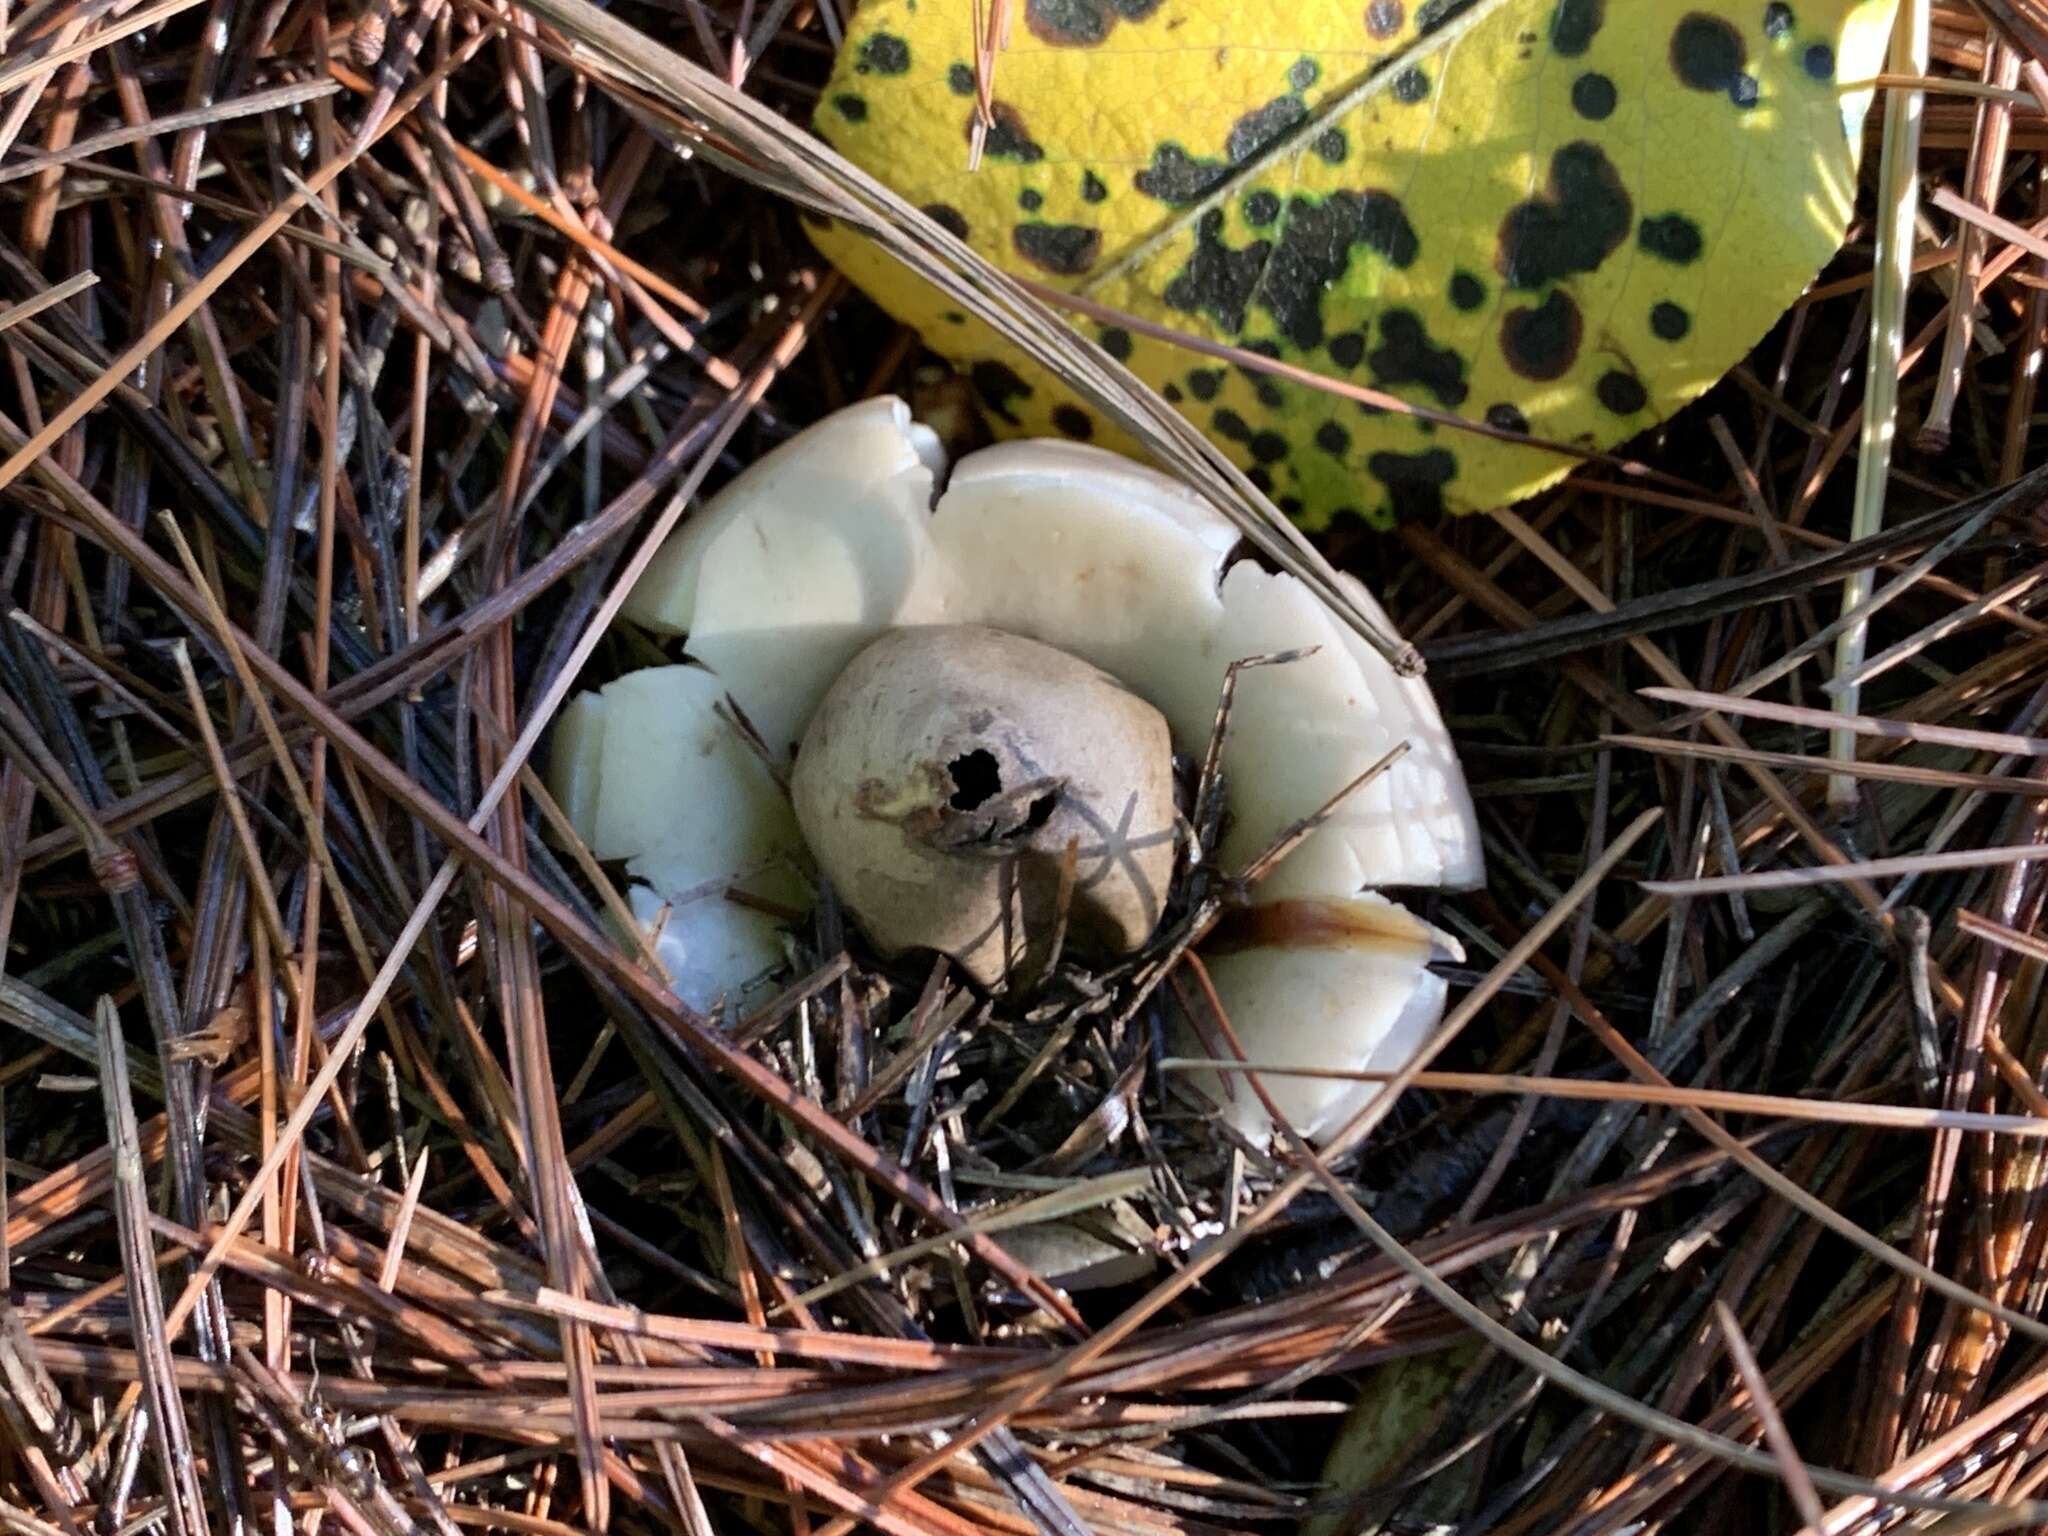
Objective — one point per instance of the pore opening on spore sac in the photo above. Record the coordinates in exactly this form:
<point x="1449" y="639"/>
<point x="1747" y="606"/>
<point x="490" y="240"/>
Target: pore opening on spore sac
<point x="976" y="777"/>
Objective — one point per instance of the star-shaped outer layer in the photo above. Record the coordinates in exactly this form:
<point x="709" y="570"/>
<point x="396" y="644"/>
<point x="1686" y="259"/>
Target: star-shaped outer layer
<point x="782" y="578"/>
<point x="1564" y="218"/>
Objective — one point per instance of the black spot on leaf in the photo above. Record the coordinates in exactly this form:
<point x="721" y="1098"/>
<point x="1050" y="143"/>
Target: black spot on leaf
<point x="998" y="384"/>
<point x="1231" y="425"/>
<point x="851" y="107"/>
<point x="1171" y="393"/>
<point x="882" y="53"/>
<point x="1405" y="355"/>
<point x="1175" y="176"/>
<point x="1593" y="96"/>
<point x="1415" y="481"/>
<point x="1317" y="243"/>
<point x="1672" y="237"/>
<point x="1466" y="291"/>
<point x="948" y="218"/>
<point x="960" y="79"/>
<point x="1268" y="447"/>
<point x="1383" y="18"/>
<point x="1542" y="342"/>
<point x="1432" y="14"/>
<point x="1668" y="322"/>
<point x="1259" y="477"/>
<point x="1708" y="54"/>
<point x="1116" y="341"/>
<point x="1204" y="382"/>
<point x="1622" y="393"/>
<point x="1261" y="126"/>
<point x="1262" y="207"/>
<point x="1332" y="438"/>
<point x="1082" y="23"/>
<point x="1303" y="73"/>
<point x="1573" y="25"/>
<point x="1347" y="349"/>
<point x="1008" y="138"/>
<point x="1411" y="86"/>
<point x="1073" y="422"/>
<point x="1030" y="200"/>
<point x="1778" y="20"/>
<point x="1218" y="281"/>
<point x="1574" y="227"/>
<point x="1819" y="62"/>
<point x="1066" y="250"/>
<point x="1332" y="146"/>
<point x="1505" y="418"/>
<point x="1093" y="188"/>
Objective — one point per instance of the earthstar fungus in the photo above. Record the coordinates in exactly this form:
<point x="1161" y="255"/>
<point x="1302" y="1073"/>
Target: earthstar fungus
<point x="983" y="694"/>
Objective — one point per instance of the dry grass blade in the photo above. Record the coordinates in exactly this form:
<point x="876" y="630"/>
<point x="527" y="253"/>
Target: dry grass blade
<point x="1899" y="198"/>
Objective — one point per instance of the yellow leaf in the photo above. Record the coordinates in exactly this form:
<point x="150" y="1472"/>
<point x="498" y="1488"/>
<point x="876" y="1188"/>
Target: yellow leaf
<point x="1563" y="217"/>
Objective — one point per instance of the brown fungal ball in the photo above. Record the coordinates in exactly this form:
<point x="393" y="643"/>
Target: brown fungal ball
<point x="944" y="777"/>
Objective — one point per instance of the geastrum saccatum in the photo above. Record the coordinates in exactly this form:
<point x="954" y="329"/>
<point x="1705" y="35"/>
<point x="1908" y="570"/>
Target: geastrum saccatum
<point x="965" y="714"/>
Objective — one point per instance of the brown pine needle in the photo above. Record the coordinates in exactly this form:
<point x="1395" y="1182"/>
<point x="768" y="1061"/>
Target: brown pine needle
<point x="1798" y="1483"/>
<point x="1864" y="869"/>
<point x="1902" y="1117"/>
<point x="1863" y="725"/>
<point x="1862" y="768"/>
<point x="54" y="295"/>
